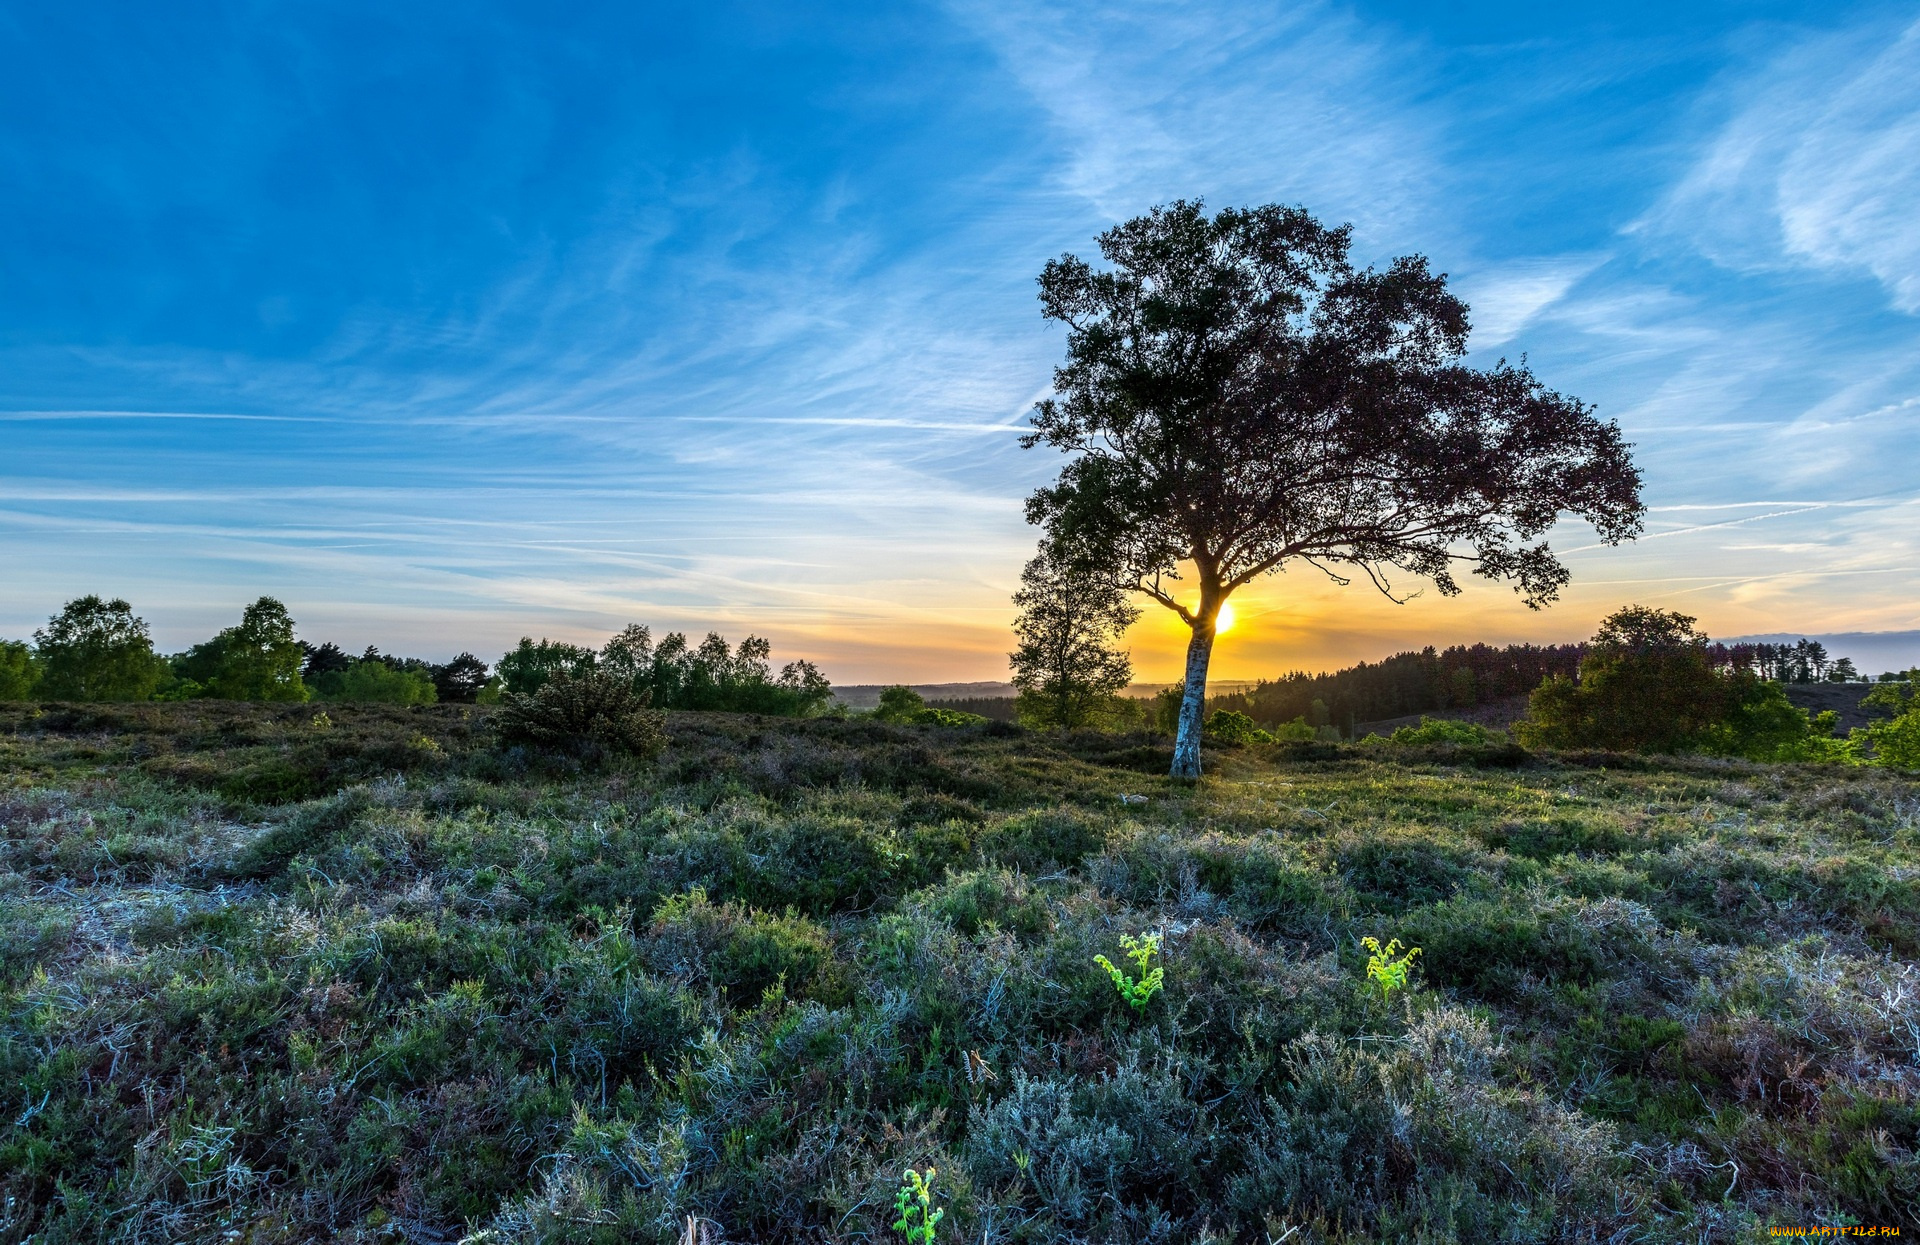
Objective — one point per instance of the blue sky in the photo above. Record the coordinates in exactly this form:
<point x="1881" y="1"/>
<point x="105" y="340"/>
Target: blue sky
<point x="464" y="322"/>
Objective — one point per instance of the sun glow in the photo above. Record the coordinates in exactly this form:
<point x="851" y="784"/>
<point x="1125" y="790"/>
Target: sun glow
<point x="1223" y="622"/>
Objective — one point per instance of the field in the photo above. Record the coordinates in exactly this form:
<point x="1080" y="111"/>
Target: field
<point x="271" y="974"/>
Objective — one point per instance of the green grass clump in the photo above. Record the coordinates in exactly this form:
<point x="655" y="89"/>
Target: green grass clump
<point x="387" y="977"/>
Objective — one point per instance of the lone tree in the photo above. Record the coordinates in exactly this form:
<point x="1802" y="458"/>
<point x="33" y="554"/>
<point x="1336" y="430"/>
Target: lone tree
<point x="1237" y="397"/>
<point x="1068" y="666"/>
<point x="97" y="650"/>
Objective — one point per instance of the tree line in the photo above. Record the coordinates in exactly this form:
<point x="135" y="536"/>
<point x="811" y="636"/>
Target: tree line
<point x="96" y="649"/>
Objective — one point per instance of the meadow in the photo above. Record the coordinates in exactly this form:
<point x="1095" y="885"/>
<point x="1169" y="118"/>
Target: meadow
<point x="296" y="972"/>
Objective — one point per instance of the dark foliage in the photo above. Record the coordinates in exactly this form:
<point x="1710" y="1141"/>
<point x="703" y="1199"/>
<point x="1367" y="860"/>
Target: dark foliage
<point x="460" y="681"/>
<point x="1238" y="397"/>
<point x="1650" y="682"/>
<point x="584" y="715"/>
<point x="326" y="659"/>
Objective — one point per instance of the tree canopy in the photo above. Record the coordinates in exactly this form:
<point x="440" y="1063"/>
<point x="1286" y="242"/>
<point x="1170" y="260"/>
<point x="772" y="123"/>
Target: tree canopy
<point x="1238" y="397"/>
<point x="257" y="660"/>
<point x="97" y="650"/>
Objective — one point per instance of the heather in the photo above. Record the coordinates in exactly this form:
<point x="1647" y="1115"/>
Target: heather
<point x="299" y="972"/>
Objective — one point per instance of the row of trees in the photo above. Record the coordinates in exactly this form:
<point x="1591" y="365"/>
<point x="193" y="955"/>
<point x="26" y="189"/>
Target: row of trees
<point x="676" y="674"/>
<point x="100" y="650"/>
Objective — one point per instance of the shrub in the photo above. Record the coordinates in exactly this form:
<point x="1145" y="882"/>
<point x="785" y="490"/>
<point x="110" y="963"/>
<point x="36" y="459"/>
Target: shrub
<point x="584" y="715"/>
<point x="904" y="705"/>
<point x="377" y="683"/>
<point x="1227" y="726"/>
<point x="1439" y="731"/>
<point x="994" y="898"/>
<point x="899" y="703"/>
<point x="1647" y="686"/>
<point x="742" y="952"/>
<point x="1895" y="744"/>
<point x="1044" y="839"/>
<point x="19" y="670"/>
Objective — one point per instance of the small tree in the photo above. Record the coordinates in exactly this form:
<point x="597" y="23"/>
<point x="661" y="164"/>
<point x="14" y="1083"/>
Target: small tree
<point x="19" y="671"/>
<point x="258" y="660"/>
<point x="527" y="668"/>
<point x="1647" y="685"/>
<point x="1237" y="398"/>
<point x="97" y="650"/>
<point x="899" y="703"/>
<point x="589" y="716"/>
<point x="1068" y="666"/>
<point x="461" y="680"/>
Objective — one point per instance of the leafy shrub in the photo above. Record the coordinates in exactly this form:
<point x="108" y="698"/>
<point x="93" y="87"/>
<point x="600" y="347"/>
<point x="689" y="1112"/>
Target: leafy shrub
<point x="1896" y="743"/>
<point x="376" y="682"/>
<point x="1044" y="839"/>
<point x="19" y="670"/>
<point x="1226" y="726"/>
<point x="990" y="898"/>
<point x="257" y="660"/>
<point x="1646" y="686"/>
<point x="742" y="952"/>
<point x="584" y="715"/>
<point x="904" y="705"/>
<point x="1439" y="731"/>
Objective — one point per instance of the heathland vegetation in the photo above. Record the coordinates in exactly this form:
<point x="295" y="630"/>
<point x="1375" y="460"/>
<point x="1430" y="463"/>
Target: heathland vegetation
<point x="298" y="971"/>
<point x="648" y="942"/>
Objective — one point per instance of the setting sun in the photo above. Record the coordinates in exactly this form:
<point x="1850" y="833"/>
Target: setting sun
<point x="1224" y="622"/>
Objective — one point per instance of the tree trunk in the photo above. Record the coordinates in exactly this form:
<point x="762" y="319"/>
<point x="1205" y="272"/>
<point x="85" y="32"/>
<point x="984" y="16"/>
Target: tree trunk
<point x="1193" y="703"/>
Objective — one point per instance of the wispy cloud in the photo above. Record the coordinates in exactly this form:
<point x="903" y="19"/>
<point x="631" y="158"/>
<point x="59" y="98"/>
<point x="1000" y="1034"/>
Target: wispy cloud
<point x="1819" y="165"/>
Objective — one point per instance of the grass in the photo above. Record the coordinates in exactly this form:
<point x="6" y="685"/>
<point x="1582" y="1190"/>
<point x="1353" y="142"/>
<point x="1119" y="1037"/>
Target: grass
<point x="266" y="980"/>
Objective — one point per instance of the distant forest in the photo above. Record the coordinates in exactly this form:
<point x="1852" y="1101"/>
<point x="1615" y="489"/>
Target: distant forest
<point x="1466" y="675"/>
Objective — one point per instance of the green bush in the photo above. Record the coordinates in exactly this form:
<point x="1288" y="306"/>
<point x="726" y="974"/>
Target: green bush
<point x="19" y="670"/>
<point x="1895" y="743"/>
<point x="990" y="899"/>
<point x="257" y="660"/>
<point x="904" y="705"/>
<point x="1647" y="686"/>
<point x="375" y="682"/>
<point x="1440" y="731"/>
<point x="586" y="716"/>
<point x="740" y="951"/>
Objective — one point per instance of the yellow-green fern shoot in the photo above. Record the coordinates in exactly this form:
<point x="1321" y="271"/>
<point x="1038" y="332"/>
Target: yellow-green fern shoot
<point x="918" y="1218"/>
<point x="1384" y="970"/>
<point x="1139" y="950"/>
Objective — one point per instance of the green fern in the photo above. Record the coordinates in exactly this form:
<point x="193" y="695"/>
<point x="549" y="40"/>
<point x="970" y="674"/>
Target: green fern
<point x="1140" y="950"/>
<point x="1384" y="970"/>
<point x="914" y="1202"/>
